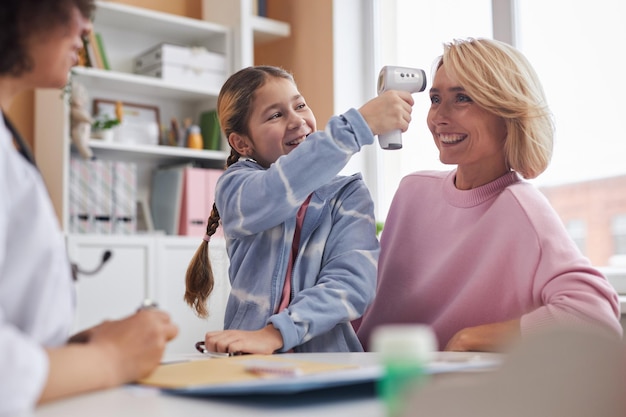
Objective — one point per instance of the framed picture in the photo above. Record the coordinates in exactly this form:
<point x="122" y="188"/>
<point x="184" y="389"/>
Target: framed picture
<point x="131" y="112"/>
<point x="140" y="123"/>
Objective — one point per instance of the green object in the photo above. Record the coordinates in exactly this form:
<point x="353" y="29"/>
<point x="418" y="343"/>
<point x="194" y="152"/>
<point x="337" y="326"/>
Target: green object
<point x="210" y="130"/>
<point x="104" y="122"/>
<point x="405" y="350"/>
<point x="400" y="378"/>
<point x="105" y="59"/>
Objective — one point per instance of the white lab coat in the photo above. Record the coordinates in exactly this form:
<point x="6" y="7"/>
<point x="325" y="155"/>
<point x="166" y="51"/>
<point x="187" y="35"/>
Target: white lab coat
<point x="36" y="290"/>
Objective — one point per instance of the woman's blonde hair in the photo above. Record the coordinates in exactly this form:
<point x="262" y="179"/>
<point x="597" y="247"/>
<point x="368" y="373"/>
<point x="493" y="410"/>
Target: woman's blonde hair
<point x="500" y="79"/>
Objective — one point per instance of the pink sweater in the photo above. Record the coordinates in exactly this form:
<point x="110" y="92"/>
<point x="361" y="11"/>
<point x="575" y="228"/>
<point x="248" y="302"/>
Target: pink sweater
<point x="454" y="259"/>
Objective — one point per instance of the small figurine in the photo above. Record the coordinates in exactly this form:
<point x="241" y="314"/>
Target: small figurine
<point x="80" y="120"/>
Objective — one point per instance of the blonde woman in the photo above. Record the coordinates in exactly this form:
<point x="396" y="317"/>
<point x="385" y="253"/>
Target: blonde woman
<point x="477" y="252"/>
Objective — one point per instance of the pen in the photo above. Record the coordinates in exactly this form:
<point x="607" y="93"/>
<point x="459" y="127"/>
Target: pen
<point x="200" y="347"/>
<point x="147" y="304"/>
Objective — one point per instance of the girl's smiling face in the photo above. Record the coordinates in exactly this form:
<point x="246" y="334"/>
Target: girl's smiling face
<point x="465" y="133"/>
<point x="280" y="121"/>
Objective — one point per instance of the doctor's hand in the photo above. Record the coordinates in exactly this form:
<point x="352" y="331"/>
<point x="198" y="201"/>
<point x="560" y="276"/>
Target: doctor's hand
<point x="264" y="341"/>
<point x="134" y="345"/>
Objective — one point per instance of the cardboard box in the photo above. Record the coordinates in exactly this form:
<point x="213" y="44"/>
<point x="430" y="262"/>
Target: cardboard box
<point x="196" y="58"/>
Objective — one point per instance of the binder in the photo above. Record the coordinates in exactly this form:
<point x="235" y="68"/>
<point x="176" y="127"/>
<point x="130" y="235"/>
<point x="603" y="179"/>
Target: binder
<point x="197" y="200"/>
<point x="193" y="217"/>
<point x="102" y="196"/>
<point x="124" y="198"/>
<point x="80" y="204"/>
<point x="182" y="198"/>
<point x="165" y="197"/>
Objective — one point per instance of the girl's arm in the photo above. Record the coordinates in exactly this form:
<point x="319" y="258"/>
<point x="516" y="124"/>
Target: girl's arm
<point x="346" y="281"/>
<point x="257" y="199"/>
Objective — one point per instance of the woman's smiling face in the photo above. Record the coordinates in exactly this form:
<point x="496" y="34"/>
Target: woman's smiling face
<point x="465" y="133"/>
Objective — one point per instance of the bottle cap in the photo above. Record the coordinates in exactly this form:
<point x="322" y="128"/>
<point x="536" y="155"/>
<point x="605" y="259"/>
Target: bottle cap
<point x="405" y="341"/>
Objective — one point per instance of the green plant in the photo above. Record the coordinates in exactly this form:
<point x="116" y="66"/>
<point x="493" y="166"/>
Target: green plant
<point x="379" y="227"/>
<point x="104" y="122"/>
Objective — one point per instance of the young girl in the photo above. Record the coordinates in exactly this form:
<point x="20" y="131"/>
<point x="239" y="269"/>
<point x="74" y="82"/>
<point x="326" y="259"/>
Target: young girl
<point x="301" y="240"/>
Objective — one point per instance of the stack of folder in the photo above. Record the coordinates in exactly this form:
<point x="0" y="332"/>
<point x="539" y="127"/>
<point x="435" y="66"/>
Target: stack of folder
<point x="102" y="196"/>
<point x="182" y="198"/>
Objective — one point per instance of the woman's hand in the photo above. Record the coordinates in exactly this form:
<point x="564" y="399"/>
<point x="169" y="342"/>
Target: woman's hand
<point x="264" y="341"/>
<point x="493" y="337"/>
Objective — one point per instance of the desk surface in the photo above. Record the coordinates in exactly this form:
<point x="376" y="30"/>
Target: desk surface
<point x="131" y="400"/>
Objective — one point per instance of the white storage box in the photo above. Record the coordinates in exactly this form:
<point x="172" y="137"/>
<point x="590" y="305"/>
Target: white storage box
<point x="183" y="65"/>
<point x="194" y="57"/>
<point x="185" y="75"/>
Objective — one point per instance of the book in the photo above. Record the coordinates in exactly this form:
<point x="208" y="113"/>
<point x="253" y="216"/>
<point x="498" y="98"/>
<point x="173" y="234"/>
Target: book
<point x="210" y="130"/>
<point x="93" y="44"/>
<point x="102" y="51"/>
<point x="261" y="8"/>
<point x="89" y="54"/>
<point x="83" y="59"/>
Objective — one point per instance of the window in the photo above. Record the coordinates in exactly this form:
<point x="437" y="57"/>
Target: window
<point x="618" y="229"/>
<point x="577" y="230"/>
<point x="413" y="33"/>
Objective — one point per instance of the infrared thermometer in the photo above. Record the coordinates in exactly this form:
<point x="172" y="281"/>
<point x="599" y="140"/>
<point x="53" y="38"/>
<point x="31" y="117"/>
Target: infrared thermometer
<point x="412" y="80"/>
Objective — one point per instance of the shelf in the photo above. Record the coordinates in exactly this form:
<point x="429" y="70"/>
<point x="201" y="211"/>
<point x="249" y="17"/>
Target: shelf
<point x="268" y="30"/>
<point x="121" y="82"/>
<point x="155" y="153"/>
<point x="178" y="29"/>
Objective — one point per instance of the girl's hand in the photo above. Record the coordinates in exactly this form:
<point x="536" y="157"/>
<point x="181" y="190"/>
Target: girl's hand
<point x="264" y="341"/>
<point x="389" y="111"/>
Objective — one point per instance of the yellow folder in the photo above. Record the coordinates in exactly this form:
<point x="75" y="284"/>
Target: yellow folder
<point x="239" y="372"/>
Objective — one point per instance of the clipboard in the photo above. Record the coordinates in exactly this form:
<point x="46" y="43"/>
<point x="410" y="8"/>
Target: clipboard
<point x="232" y="375"/>
<point x="239" y="375"/>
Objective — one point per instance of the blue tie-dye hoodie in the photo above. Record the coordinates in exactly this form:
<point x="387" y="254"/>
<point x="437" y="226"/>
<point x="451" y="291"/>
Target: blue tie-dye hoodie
<point x="334" y="275"/>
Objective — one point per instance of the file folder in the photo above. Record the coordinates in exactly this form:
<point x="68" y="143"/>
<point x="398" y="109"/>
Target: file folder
<point x="165" y="197"/>
<point x="193" y="211"/>
<point x="230" y="376"/>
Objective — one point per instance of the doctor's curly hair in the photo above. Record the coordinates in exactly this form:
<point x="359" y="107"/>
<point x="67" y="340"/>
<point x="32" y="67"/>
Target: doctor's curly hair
<point x="21" y="19"/>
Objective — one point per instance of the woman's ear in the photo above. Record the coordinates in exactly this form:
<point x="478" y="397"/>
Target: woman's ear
<point x="241" y="144"/>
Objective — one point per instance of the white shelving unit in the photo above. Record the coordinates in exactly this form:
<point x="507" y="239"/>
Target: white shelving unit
<point x="248" y="29"/>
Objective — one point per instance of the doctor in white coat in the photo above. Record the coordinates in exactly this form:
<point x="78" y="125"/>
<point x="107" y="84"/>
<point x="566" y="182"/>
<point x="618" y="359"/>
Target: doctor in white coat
<point x="39" y="43"/>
